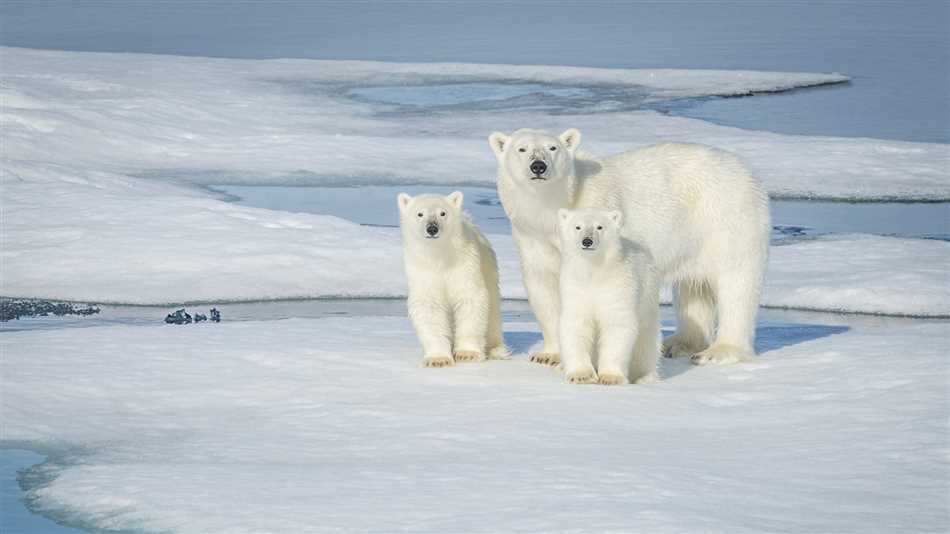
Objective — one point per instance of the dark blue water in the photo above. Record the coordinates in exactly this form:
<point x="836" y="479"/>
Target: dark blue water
<point x="898" y="53"/>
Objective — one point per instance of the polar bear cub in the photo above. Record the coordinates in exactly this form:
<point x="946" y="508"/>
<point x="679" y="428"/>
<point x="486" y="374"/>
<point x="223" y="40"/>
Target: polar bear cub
<point x="609" y="301"/>
<point x="454" y="300"/>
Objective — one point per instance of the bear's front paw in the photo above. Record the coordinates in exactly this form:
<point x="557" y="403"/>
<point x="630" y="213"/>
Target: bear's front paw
<point x="546" y="358"/>
<point x="612" y="379"/>
<point x="584" y="375"/>
<point x="438" y="361"/>
<point x="469" y="356"/>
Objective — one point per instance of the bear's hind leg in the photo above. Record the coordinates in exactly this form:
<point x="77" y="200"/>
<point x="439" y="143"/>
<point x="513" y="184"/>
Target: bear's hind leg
<point x="738" y="302"/>
<point x="695" y="319"/>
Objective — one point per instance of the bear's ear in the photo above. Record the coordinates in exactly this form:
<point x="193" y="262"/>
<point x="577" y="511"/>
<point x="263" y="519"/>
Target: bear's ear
<point x="563" y="214"/>
<point x="455" y="199"/>
<point x="498" y="141"/>
<point x="403" y="200"/>
<point x="616" y="217"/>
<point x="571" y="138"/>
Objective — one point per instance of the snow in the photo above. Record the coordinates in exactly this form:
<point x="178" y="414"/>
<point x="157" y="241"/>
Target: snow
<point x="307" y="425"/>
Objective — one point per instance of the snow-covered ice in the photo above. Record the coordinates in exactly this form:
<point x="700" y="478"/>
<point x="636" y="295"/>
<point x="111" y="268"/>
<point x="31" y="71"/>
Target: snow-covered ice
<point x="861" y="273"/>
<point x="308" y="425"/>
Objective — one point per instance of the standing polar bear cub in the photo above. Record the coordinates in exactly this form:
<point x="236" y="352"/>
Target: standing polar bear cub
<point x="454" y="301"/>
<point x="609" y="305"/>
<point x="697" y="210"/>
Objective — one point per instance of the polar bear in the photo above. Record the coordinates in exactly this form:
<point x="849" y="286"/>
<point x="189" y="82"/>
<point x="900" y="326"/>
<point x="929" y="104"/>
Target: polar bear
<point x="609" y="308"/>
<point x="454" y="300"/>
<point x="702" y="216"/>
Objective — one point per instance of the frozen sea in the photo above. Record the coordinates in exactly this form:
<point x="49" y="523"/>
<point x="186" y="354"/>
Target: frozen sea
<point x="159" y="167"/>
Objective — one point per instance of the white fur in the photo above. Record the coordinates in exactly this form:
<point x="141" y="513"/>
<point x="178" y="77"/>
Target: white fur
<point x="608" y="294"/>
<point x="697" y="210"/>
<point x="454" y="301"/>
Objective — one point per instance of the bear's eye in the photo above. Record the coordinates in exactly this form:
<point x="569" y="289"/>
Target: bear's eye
<point x="577" y="227"/>
<point x="442" y="214"/>
<point x="521" y="150"/>
<point x="600" y="227"/>
<point x="553" y="148"/>
<point x="419" y="214"/>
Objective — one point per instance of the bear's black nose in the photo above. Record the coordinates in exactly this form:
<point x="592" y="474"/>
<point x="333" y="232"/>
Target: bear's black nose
<point x="538" y="167"/>
<point x="587" y="242"/>
<point x="432" y="229"/>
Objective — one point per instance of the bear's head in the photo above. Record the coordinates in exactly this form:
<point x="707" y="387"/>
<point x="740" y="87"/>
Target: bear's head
<point x="535" y="157"/>
<point x="587" y="231"/>
<point x="430" y="216"/>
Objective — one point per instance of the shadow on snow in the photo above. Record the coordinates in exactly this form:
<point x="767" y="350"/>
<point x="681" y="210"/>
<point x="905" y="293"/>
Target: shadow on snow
<point x="768" y="338"/>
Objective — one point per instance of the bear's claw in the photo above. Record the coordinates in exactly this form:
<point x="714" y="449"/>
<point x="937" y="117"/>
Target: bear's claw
<point x="469" y="356"/>
<point x="546" y="358"/>
<point x="582" y="376"/>
<point x="612" y="379"/>
<point x="438" y="361"/>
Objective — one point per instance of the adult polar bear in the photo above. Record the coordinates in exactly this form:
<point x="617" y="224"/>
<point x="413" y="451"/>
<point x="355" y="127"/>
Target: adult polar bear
<point x="699" y="212"/>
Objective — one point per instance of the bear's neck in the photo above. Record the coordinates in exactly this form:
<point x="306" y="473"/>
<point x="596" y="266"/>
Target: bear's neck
<point x="440" y="253"/>
<point x="590" y="266"/>
<point x="533" y="208"/>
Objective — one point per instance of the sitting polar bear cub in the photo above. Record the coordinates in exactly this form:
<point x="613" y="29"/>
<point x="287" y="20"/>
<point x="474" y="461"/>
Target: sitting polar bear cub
<point x="609" y="305"/>
<point x="453" y="281"/>
<point x="697" y="210"/>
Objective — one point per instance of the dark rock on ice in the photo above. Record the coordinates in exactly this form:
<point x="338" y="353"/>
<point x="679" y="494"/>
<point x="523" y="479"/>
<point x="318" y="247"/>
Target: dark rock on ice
<point x="16" y="308"/>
